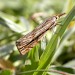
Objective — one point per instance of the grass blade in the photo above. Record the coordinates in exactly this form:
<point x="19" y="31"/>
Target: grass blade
<point x="48" y="54"/>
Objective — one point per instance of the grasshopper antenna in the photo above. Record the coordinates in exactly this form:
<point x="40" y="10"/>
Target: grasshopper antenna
<point x="60" y="15"/>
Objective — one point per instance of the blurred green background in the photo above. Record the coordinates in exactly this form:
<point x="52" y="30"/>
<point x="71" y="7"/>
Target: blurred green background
<point x="16" y="20"/>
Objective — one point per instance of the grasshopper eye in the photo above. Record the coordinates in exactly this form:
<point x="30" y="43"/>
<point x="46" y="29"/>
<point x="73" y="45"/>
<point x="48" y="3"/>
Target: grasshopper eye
<point x="57" y="17"/>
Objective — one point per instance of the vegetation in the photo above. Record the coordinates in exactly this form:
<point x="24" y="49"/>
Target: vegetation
<point x="54" y="54"/>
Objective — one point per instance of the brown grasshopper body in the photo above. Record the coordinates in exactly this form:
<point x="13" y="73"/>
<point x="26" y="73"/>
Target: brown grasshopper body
<point x="27" y="42"/>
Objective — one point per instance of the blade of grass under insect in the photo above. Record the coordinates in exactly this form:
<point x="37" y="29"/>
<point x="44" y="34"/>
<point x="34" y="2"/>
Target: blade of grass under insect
<point x="66" y="36"/>
<point x="33" y="54"/>
<point x="48" y="54"/>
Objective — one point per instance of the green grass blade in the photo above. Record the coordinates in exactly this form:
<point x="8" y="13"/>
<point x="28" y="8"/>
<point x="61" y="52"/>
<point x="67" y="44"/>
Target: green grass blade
<point x="48" y="54"/>
<point x="66" y="21"/>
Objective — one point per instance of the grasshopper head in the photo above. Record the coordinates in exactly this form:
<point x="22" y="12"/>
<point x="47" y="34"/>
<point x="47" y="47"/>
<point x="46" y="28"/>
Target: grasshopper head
<point x="60" y="15"/>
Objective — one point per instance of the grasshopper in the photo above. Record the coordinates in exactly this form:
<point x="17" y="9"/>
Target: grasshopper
<point x="28" y="41"/>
